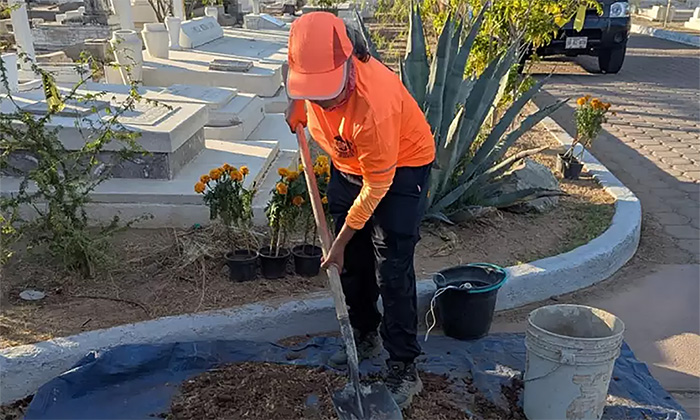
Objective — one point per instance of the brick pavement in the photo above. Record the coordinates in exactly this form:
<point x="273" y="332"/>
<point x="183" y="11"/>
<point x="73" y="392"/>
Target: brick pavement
<point x="653" y="144"/>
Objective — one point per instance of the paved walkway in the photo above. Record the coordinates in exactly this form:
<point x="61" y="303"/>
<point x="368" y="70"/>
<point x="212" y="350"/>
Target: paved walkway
<point x="653" y="147"/>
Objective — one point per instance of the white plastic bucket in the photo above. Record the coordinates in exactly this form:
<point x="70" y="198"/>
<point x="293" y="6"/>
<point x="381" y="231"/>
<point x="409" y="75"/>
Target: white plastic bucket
<point x="571" y="350"/>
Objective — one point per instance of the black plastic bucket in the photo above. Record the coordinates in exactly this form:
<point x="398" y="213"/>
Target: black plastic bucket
<point x="271" y="266"/>
<point x="242" y="265"/>
<point x="466" y="299"/>
<point x="307" y="260"/>
<point x="569" y="167"/>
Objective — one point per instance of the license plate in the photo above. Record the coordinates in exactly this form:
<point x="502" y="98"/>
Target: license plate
<point x="576" y="42"/>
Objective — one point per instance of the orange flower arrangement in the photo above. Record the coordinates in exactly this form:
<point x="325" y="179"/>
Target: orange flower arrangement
<point x="225" y="195"/>
<point x="298" y="201"/>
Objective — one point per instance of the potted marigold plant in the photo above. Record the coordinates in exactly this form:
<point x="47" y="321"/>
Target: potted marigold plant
<point x="307" y="255"/>
<point x="282" y="212"/>
<point x="590" y="115"/>
<point x="231" y="203"/>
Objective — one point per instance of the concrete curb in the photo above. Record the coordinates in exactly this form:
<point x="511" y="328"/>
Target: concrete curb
<point x="680" y="37"/>
<point x="24" y="368"/>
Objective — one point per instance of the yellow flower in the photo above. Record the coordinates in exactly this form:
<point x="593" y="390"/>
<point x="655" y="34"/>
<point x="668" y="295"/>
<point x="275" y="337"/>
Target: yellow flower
<point x="324" y="200"/>
<point x="293" y="176"/>
<point x="327" y="170"/>
<point x="322" y="160"/>
<point x="581" y="101"/>
<point x="281" y="188"/>
<point x="199" y="187"/>
<point x="204" y="179"/>
<point x="226" y="167"/>
<point x="297" y="201"/>
<point x="283" y="172"/>
<point x="301" y="168"/>
<point x="244" y="170"/>
<point x="215" y="174"/>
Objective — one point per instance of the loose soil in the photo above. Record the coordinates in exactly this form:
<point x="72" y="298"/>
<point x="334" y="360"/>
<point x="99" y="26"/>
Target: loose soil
<point x="166" y="272"/>
<point x="281" y="392"/>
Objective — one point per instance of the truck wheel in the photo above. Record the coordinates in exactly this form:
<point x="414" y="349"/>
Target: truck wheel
<point x="610" y="60"/>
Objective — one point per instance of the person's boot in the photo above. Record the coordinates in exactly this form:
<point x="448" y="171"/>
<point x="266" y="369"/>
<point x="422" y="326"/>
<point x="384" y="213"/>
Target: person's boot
<point x="403" y="382"/>
<point x="368" y="346"/>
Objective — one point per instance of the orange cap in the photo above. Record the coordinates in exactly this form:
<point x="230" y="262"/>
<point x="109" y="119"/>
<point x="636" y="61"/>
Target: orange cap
<point x="319" y="49"/>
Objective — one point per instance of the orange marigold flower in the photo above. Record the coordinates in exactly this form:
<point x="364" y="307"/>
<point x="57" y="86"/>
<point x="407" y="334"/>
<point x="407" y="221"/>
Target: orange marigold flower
<point x="204" y="179"/>
<point x="215" y="173"/>
<point x="606" y="106"/>
<point x="199" y="187"/>
<point x="244" y="170"/>
<point x="293" y="176"/>
<point x="324" y="200"/>
<point x="581" y="101"/>
<point x="232" y="171"/>
<point x="236" y="176"/>
<point x="283" y="172"/>
<point x="297" y="201"/>
<point x="322" y="160"/>
<point x="226" y="167"/>
<point x="281" y="188"/>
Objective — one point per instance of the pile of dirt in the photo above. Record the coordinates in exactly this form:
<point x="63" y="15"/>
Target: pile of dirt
<point x="290" y="392"/>
<point x="15" y="410"/>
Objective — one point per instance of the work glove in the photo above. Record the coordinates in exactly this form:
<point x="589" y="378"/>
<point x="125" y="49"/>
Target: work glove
<point x="295" y="114"/>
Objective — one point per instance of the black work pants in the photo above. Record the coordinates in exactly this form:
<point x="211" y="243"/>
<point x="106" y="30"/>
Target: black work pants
<point x="379" y="258"/>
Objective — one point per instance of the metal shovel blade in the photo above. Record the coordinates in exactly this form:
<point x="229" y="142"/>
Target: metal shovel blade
<point x="376" y="400"/>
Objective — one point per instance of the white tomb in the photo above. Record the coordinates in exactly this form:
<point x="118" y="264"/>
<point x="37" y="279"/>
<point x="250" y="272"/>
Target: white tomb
<point x="203" y="41"/>
<point x="182" y="147"/>
<point x="694" y="21"/>
<point x="263" y="21"/>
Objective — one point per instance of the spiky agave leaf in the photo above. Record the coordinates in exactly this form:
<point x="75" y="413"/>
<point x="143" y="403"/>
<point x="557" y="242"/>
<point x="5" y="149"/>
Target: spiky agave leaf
<point x="454" y="83"/>
<point x="416" y="59"/>
<point x="367" y="36"/>
<point x="436" y="82"/>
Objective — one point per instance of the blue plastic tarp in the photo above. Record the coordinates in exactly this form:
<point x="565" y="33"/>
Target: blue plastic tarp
<point x="139" y="381"/>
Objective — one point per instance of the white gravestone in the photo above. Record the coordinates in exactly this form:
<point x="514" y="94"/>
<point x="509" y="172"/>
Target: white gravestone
<point x="213" y="97"/>
<point x="694" y="21"/>
<point x="199" y="31"/>
<point x="261" y="22"/>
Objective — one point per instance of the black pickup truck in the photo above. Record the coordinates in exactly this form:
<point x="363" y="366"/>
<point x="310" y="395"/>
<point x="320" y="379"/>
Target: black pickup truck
<point x="604" y="36"/>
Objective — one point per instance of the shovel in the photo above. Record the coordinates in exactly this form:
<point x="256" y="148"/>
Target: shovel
<point x="355" y="401"/>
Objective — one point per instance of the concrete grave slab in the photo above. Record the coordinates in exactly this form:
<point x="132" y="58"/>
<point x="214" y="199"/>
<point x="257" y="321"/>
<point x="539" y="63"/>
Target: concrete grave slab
<point x="188" y="66"/>
<point x="173" y="203"/>
<point x="199" y="31"/>
<point x="237" y="120"/>
<point x="274" y="126"/>
<point x="172" y="136"/>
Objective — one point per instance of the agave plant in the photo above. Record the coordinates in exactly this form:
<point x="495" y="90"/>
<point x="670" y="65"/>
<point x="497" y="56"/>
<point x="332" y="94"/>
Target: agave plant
<point x="470" y="146"/>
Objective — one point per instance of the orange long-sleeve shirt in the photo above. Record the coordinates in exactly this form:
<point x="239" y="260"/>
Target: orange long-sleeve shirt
<point x="380" y="128"/>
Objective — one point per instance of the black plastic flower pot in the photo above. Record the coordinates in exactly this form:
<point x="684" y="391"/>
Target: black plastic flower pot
<point x="273" y="264"/>
<point x="569" y="166"/>
<point x="307" y="260"/>
<point x="242" y="264"/>
<point x="466" y="298"/>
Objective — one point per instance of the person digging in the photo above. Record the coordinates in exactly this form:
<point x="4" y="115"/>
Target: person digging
<point x="381" y="151"/>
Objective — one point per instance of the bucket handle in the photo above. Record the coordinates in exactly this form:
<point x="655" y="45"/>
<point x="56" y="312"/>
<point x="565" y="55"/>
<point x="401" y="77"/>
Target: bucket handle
<point x="565" y="357"/>
<point x="438" y="292"/>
